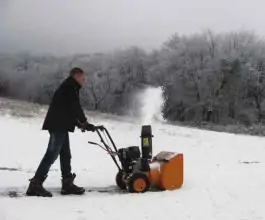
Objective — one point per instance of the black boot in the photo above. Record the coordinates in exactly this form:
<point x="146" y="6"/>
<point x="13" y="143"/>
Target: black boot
<point x="68" y="186"/>
<point x="36" y="189"/>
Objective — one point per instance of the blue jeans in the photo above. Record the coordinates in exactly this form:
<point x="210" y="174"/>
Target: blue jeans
<point x="58" y="145"/>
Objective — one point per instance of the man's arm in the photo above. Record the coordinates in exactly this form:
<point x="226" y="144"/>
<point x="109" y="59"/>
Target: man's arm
<point x="81" y="120"/>
<point x="73" y="98"/>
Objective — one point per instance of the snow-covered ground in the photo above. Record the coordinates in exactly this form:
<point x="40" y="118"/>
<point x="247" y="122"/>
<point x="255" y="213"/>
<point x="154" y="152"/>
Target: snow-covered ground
<point x="224" y="174"/>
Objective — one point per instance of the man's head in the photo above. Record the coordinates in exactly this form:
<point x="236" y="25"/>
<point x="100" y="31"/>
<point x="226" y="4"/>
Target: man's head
<point x="78" y="75"/>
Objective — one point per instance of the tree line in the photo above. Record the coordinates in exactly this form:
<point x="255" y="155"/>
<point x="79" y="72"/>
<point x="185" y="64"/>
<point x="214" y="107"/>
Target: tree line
<point x="211" y="77"/>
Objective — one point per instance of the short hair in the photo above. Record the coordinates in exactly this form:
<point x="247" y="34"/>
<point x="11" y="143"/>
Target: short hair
<point x="76" y="70"/>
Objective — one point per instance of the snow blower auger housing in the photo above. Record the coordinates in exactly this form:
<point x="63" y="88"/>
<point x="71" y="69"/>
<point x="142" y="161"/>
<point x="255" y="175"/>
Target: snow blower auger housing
<point x="138" y="172"/>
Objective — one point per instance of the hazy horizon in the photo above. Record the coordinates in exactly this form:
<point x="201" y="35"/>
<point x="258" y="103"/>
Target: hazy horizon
<point x="88" y="26"/>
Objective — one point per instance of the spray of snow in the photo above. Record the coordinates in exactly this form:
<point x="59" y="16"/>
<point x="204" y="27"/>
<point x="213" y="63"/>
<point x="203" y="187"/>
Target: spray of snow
<point x="151" y="104"/>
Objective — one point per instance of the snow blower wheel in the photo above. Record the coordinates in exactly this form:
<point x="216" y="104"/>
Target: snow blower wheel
<point x="121" y="180"/>
<point x="138" y="183"/>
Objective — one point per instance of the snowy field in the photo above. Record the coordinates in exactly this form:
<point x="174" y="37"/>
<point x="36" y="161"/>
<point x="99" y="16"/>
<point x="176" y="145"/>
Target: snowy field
<point x="224" y="174"/>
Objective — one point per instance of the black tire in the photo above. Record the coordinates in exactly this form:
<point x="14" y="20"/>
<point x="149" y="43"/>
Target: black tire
<point x="120" y="180"/>
<point x="132" y="182"/>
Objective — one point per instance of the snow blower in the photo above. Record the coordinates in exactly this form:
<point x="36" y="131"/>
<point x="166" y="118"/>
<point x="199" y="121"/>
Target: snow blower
<point x="138" y="172"/>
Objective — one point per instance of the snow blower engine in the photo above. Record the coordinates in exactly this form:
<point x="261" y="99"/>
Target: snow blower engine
<point x="138" y="172"/>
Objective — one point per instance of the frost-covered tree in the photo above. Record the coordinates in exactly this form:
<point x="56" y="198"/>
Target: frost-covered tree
<point x="205" y="77"/>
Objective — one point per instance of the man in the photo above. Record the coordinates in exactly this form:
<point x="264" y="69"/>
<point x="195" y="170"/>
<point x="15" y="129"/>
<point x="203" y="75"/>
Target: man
<point x="65" y="112"/>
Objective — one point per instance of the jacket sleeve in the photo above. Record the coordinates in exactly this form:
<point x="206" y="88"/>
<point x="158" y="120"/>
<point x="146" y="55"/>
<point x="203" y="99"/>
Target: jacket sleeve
<point x="73" y="99"/>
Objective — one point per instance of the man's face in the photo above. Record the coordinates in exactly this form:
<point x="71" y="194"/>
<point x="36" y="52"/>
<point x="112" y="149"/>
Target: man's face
<point x="80" y="78"/>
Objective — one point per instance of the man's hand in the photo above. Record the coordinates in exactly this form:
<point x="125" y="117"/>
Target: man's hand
<point x="100" y="127"/>
<point x="85" y="126"/>
<point x="90" y="127"/>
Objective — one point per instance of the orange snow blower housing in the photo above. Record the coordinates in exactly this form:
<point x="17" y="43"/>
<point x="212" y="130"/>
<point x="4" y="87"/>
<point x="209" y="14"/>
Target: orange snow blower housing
<point x="166" y="171"/>
<point x="139" y="171"/>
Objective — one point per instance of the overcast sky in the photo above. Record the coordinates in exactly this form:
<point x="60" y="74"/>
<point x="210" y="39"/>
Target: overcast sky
<point x="85" y="26"/>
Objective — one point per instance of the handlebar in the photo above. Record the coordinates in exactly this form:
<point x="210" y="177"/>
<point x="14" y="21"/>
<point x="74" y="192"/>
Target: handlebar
<point x="111" y="148"/>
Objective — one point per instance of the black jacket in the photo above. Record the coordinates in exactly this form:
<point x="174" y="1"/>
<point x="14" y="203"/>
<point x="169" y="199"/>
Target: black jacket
<point x="65" y="111"/>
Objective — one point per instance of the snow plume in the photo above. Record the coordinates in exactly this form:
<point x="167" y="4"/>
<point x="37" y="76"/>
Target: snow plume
<point x="151" y="102"/>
